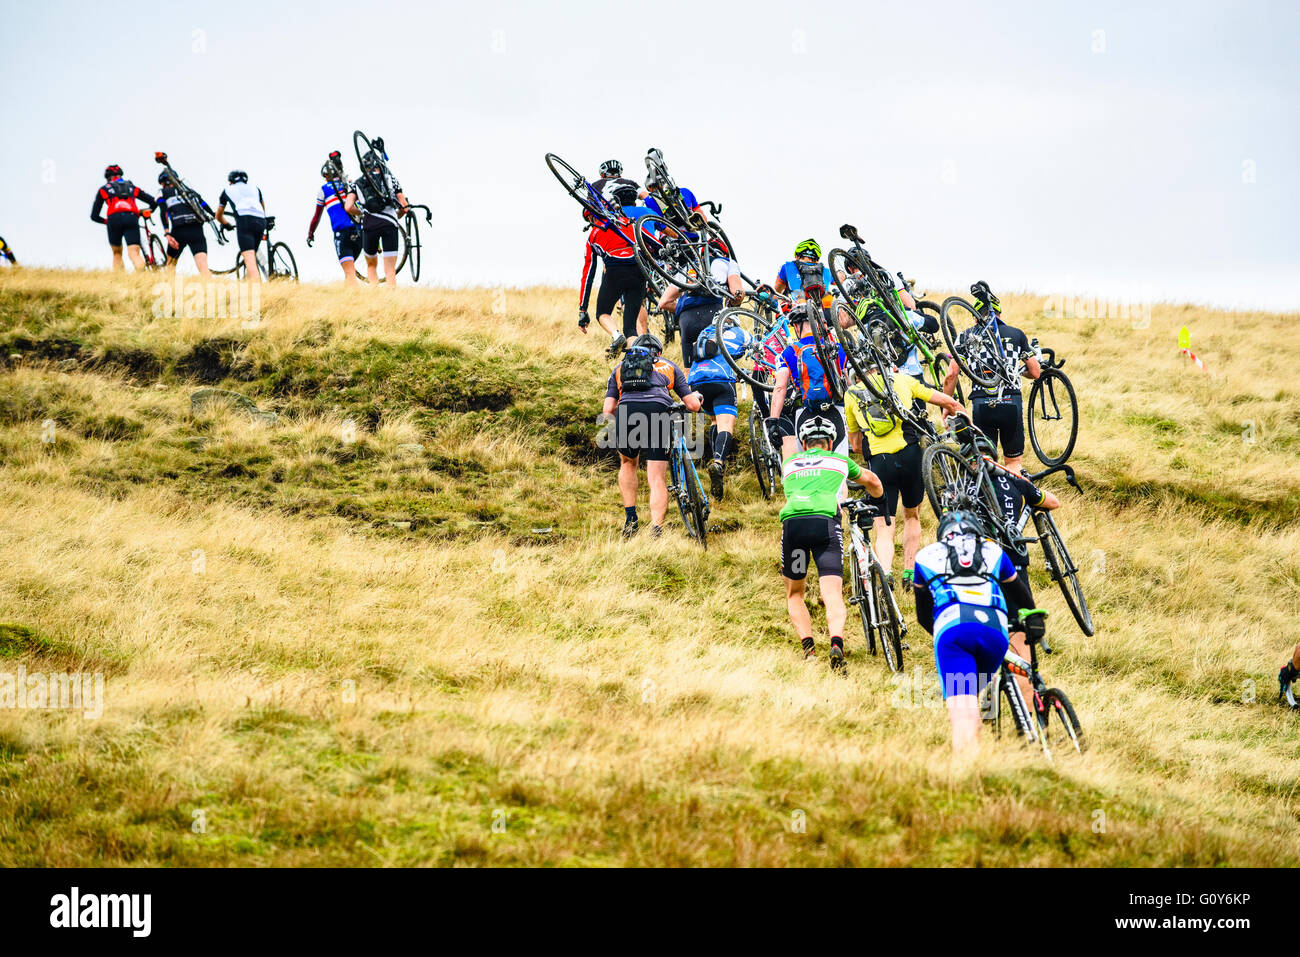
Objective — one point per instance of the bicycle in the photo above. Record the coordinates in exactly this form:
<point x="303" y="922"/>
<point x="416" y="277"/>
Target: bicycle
<point x="872" y="596"/>
<point x="1049" y="434"/>
<point x="153" y="248"/>
<point x="685" y="484"/>
<point x="274" y="261"/>
<point x="408" y="227"/>
<point x="1048" y="703"/>
<point x="192" y="199"/>
<point x="764" y="456"/>
<point x="976" y="345"/>
<point x="677" y="246"/>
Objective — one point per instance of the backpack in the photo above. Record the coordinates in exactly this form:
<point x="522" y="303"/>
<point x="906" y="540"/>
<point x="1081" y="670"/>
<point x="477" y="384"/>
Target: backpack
<point x="814" y="383"/>
<point x="811" y="274"/>
<point x="880" y="420"/>
<point x="636" y="371"/>
<point x="120" y="189"/>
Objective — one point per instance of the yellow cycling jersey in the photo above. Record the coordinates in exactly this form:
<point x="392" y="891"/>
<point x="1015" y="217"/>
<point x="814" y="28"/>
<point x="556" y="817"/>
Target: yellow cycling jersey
<point x="857" y="398"/>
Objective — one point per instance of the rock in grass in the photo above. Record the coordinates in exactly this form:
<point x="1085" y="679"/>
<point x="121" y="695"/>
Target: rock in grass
<point x="241" y="403"/>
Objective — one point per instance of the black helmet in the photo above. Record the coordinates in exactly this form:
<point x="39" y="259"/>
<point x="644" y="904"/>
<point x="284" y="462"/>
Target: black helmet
<point x="611" y="168"/>
<point x="648" y="341"/>
<point x="111" y="171"/>
<point x="625" y="195"/>
<point x="237" y="176"/>
<point x="164" y="178"/>
<point x="329" y="170"/>
<point x="372" y="160"/>
<point x="984" y="298"/>
<point x="956" y="529"/>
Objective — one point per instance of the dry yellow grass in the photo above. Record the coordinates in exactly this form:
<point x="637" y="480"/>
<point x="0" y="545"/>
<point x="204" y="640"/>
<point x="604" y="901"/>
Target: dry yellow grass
<point x="291" y="680"/>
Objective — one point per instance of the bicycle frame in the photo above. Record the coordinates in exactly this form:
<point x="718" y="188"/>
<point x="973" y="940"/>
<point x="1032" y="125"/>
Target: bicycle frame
<point x="681" y="468"/>
<point x="861" y="545"/>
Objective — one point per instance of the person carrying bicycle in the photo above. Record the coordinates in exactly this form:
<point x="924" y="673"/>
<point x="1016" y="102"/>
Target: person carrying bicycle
<point x="997" y="410"/>
<point x="637" y="404"/>
<point x="697" y="310"/>
<point x="801" y="366"/>
<point x="182" y="227"/>
<point x="7" y="252"/>
<point x="332" y="198"/>
<point x="804" y="269"/>
<point x="715" y="380"/>
<point x="812" y="480"/>
<point x="118" y="198"/>
<point x="622" y="281"/>
<point x="383" y="210"/>
<point x="966" y="590"/>
<point x="894" y="452"/>
<point x="245" y="200"/>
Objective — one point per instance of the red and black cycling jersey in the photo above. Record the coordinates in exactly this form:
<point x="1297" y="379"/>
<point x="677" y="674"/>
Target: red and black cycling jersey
<point x="119" y="196"/>
<point x="613" y="248"/>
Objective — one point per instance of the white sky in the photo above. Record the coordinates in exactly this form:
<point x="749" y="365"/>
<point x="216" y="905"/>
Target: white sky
<point x="1012" y="142"/>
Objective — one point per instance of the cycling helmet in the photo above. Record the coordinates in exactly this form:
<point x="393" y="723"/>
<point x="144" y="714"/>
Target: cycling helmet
<point x="371" y="160"/>
<point x="984" y="445"/>
<point x="814" y="427"/>
<point x="164" y="178"/>
<point x="962" y="533"/>
<point x="808" y="247"/>
<point x="959" y="522"/>
<point x="611" y="168"/>
<point x="648" y="341"/>
<point x="111" y="171"/>
<point x="799" y="313"/>
<point x="328" y="170"/>
<point x="237" y="176"/>
<point x="625" y="195"/>
<point x="984" y="298"/>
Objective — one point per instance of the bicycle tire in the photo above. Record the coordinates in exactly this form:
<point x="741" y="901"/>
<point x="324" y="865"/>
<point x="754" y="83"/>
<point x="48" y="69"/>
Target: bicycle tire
<point x="947" y="476"/>
<point x="669" y="253"/>
<point x="1042" y="395"/>
<point x="759" y="454"/>
<point x="735" y="318"/>
<point x="157" y="252"/>
<point x="413" y="245"/>
<point x="891" y="639"/>
<point x="843" y="258"/>
<point x="693" y="506"/>
<point x="828" y="354"/>
<point x="860" y="599"/>
<point x="358" y="138"/>
<point x="1056" y="704"/>
<point x="952" y="335"/>
<point x="1016" y="706"/>
<point x="1062" y="570"/>
<point x="575" y="184"/>
<point x="282" y="263"/>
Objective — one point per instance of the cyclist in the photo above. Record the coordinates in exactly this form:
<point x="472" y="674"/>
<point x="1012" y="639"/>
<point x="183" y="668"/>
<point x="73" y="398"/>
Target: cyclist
<point x="637" y="402"/>
<point x="622" y="281"/>
<point x="332" y="197"/>
<point x="379" y="226"/>
<point x="715" y="380"/>
<point x="894" y="452"/>
<point x="800" y="365"/>
<point x="965" y="584"/>
<point x="614" y="188"/>
<point x="118" y="197"/>
<point x="810" y="529"/>
<point x="697" y="310"/>
<point x="804" y="270"/>
<point x="182" y="228"/>
<point x="6" y="251"/>
<point x="997" y="410"/>
<point x="1290" y="671"/>
<point x="246" y="202"/>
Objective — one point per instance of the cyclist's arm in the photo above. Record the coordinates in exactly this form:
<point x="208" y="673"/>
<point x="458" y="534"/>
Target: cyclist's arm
<point x="150" y="201"/>
<point x="1016" y="592"/>
<point x="1032" y="369"/>
<point x="950" y="380"/>
<point x="934" y="397"/>
<point x="669" y="297"/>
<point x="736" y="287"/>
<point x="588" y="276"/>
<point x="868" y="479"/>
<point x="778" y="390"/>
<point x="906" y="298"/>
<point x="682" y="386"/>
<point x="97" y="209"/>
<point x="1049" y="502"/>
<point x="402" y="208"/>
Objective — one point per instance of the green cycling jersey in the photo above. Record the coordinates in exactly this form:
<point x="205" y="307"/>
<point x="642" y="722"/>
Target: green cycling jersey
<point x="812" y="480"/>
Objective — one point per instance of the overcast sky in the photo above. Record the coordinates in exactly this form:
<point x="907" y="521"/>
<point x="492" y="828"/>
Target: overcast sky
<point x="1124" y="149"/>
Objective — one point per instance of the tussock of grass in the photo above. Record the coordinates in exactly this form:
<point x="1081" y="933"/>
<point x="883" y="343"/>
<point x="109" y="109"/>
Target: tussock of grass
<point x="320" y="685"/>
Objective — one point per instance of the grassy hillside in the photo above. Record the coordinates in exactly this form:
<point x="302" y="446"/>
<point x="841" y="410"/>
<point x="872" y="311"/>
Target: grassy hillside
<point x="397" y="626"/>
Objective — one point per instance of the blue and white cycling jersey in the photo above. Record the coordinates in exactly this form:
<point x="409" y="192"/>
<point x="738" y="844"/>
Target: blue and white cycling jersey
<point x="688" y="200"/>
<point x="718" y="369"/>
<point x="968" y="598"/>
<point x="333" y="203"/>
<point x="790" y="273"/>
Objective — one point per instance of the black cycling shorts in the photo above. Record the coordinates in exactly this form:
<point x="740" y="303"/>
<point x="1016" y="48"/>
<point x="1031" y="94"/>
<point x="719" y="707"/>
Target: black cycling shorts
<point x="123" y="226"/>
<point x="642" y="429"/>
<point x="622" y="282"/>
<point x="719" y="397"/>
<point x="188" y="236"/>
<point x="692" y="322"/>
<point x="347" y="243"/>
<point x="811" y="539"/>
<point x="249" y="231"/>
<point x="383" y="232"/>
<point x="900" y="473"/>
<point x="1001" y="420"/>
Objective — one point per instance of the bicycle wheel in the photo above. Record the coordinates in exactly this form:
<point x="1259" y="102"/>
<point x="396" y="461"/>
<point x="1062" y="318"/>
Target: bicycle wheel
<point x="413" y="245"/>
<point x="576" y="185"/>
<point x="358" y="141"/>
<point x="1062" y="569"/>
<point x="691" y="500"/>
<point x="283" y="265"/>
<point x="890" y="628"/>
<point x="750" y="364"/>
<point x="948" y="478"/>
<point x="157" y="252"/>
<point x="964" y="330"/>
<point x="760" y="453"/>
<point x="1014" y="705"/>
<point x="669" y="253"/>
<point x="846" y="281"/>
<point x="828" y="355"/>
<point x="1067" y="725"/>
<point x="1053" y="417"/>
<point x="861" y="601"/>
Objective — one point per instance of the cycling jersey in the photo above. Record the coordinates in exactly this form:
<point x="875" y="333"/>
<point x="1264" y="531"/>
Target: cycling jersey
<point x="812" y="480"/>
<point x="667" y="375"/>
<point x="1015" y="348"/>
<point x="720" y="270"/>
<point x="330" y="199"/>
<point x="244" y="199"/>
<point x="805" y="369"/>
<point x="688" y="200"/>
<point x="1014" y="493"/>
<point x="617" y="191"/>
<point x="119" y="196"/>
<point x="610" y="246"/>
<point x="173" y="210"/>
<point x="858" y="399"/>
<point x="795" y="273"/>
<point x="378" y="207"/>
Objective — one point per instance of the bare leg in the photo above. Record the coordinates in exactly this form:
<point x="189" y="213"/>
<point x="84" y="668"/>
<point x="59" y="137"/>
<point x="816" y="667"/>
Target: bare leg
<point x="964" y="713"/>
<point x="832" y="591"/>
<point x="911" y="535"/>
<point x="201" y="262"/>
<point x="627" y="480"/>
<point x="251" y="272"/>
<point x="350" y="273"/>
<point x="137" y="258"/>
<point x="798" y="608"/>
<point x="372" y="269"/>
<point x="118" y="264"/>
<point x="390" y="270"/>
<point x="656" y="475"/>
<point x="885" y="543"/>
